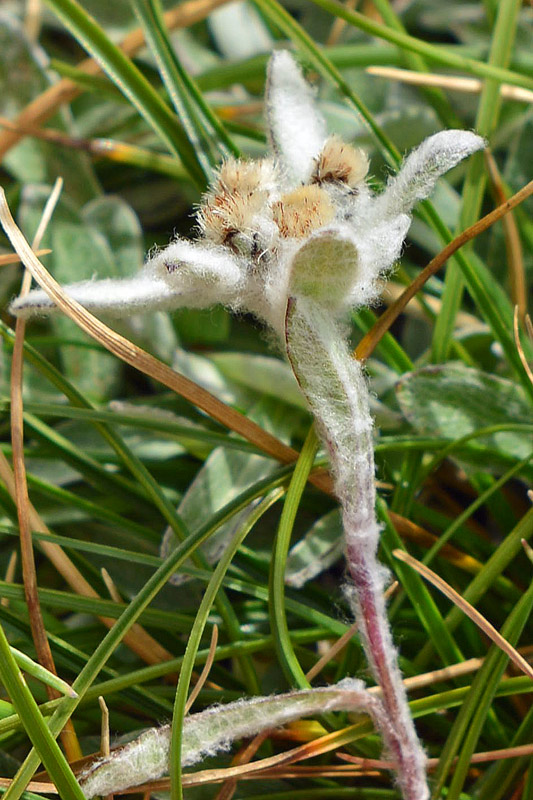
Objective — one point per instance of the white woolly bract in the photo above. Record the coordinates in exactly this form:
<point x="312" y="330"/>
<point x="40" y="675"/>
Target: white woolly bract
<point x="424" y="166"/>
<point x="112" y="297"/>
<point x="265" y="220"/>
<point x="211" y="731"/>
<point x="326" y="268"/>
<point x="297" y="130"/>
<point x="213" y="272"/>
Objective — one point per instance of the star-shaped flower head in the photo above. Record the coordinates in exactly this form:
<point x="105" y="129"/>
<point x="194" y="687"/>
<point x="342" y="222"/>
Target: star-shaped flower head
<point x="301" y="222"/>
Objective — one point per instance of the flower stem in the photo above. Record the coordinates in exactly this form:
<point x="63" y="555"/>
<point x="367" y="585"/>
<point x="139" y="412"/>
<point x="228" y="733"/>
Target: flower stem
<point x="335" y="387"/>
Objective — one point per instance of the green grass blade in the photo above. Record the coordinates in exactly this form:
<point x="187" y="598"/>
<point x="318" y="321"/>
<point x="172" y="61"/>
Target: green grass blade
<point x="39" y="672"/>
<point x="140" y="602"/>
<point x="438" y="55"/>
<point x="149" y="485"/>
<point x="502" y="775"/>
<point x="436" y="97"/>
<point x="421" y="600"/>
<point x="473" y="507"/>
<point x="482" y="582"/>
<point x="130" y="81"/>
<point x="196" y="116"/>
<point x="36" y="727"/>
<point x="476" y="177"/>
<point x="474" y="710"/>
<point x="195" y="637"/>
<point x="278" y="616"/>
<point x="153" y="422"/>
<point x="173" y="77"/>
<point x="388" y="348"/>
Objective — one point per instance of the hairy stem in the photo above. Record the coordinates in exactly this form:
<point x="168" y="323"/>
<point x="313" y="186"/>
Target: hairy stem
<point x="336" y="390"/>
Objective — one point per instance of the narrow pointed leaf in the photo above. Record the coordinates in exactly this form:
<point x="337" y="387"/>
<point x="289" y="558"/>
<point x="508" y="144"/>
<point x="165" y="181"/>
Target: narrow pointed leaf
<point x="213" y="730"/>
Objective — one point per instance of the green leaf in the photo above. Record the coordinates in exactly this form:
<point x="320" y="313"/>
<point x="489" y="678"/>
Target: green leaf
<point x="454" y="401"/>
<point x="262" y="375"/>
<point x="317" y="550"/>
<point x="22" y="78"/>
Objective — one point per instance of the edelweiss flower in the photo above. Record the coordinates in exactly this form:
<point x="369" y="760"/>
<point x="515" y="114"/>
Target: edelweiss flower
<point x="298" y="239"/>
<point x="300" y="223"/>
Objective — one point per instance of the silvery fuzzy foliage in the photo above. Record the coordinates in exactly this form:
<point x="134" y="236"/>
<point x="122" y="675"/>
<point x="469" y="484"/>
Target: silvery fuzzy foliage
<point x="299" y="239"/>
<point x="204" y="734"/>
<point x="264" y="222"/>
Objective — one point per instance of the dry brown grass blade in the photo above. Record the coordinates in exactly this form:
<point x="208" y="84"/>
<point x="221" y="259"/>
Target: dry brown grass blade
<point x="13" y="258"/>
<point x="104" y="727"/>
<point x="29" y="575"/>
<point x="374" y="335"/>
<point x="65" y="90"/>
<point x="296" y="754"/>
<point x="33" y="786"/>
<point x="522" y="355"/>
<point x="454" y="83"/>
<point x="513" y="245"/>
<point x="415" y="533"/>
<point x="519" y="751"/>
<point x="46" y="134"/>
<point x="443" y="674"/>
<point x="136" y="631"/>
<point x="206" y="670"/>
<point x="467" y="609"/>
<point x="361" y="765"/>
<point x="141" y="643"/>
<point x="244" y="756"/>
<point x="9" y="577"/>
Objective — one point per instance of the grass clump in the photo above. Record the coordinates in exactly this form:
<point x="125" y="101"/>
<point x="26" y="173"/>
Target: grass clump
<point x="185" y="428"/>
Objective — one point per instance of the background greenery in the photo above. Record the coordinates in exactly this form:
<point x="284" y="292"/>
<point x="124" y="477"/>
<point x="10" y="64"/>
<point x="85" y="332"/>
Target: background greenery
<point x="113" y="458"/>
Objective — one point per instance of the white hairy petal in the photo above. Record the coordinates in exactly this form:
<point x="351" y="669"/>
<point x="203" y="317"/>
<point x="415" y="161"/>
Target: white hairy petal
<point x="213" y="730"/>
<point x="206" y="274"/>
<point x="424" y="166"/>
<point x="297" y="129"/>
<point x="326" y="267"/>
<point x="184" y="274"/>
<point x="112" y="297"/>
<point x="379" y="243"/>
